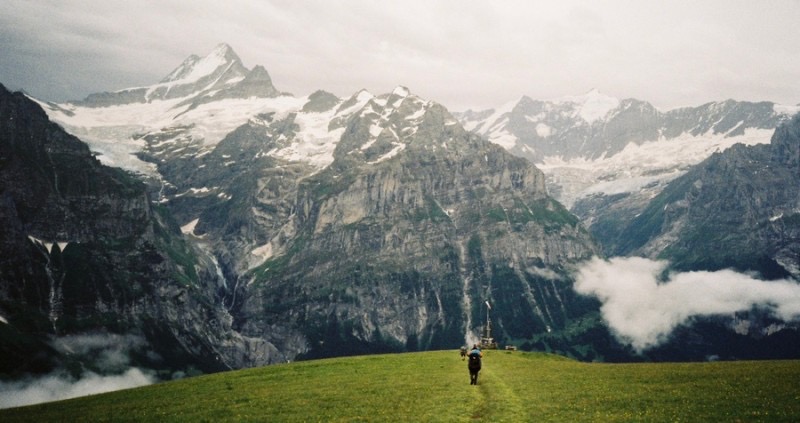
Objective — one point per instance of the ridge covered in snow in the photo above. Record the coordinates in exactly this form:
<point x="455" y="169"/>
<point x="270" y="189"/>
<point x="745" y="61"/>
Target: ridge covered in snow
<point x="192" y="109"/>
<point x="194" y="68"/>
<point x="592" y="143"/>
<point x="637" y="166"/>
<point x="590" y="106"/>
<point x="586" y="144"/>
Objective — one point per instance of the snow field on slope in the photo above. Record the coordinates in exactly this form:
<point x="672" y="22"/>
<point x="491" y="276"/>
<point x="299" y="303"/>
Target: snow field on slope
<point x="639" y="165"/>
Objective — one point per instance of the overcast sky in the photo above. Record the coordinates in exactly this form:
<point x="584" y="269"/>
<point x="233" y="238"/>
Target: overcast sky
<point x="463" y="54"/>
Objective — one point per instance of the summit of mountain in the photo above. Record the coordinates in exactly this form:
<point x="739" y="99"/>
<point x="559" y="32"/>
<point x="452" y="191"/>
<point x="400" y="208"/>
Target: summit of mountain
<point x="219" y="74"/>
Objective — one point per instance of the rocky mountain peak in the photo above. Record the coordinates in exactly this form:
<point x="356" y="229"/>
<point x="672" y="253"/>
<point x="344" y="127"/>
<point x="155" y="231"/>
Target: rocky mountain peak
<point x="195" y="77"/>
<point x="387" y="124"/>
<point x="195" y="68"/>
<point x="320" y="101"/>
<point x="257" y="83"/>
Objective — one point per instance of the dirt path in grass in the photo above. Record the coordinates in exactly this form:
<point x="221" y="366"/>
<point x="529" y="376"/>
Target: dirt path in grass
<point x="498" y="402"/>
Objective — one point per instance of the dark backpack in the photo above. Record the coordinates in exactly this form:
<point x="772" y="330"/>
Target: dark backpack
<point x="474" y="360"/>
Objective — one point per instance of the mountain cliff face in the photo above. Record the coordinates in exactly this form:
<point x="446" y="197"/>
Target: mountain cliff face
<point x="384" y="240"/>
<point x="606" y="159"/>
<point x="84" y="252"/>
<point x="413" y="226"/>
<point x="739" y="208"/>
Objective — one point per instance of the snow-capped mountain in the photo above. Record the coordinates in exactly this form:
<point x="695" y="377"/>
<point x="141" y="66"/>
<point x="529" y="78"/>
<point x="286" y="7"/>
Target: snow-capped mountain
<point x="595" y="144"/>
<point x="314" y="226"/>
<point x="204" y="99"/>
<point x="199" y="102"/>
<point x="367" y="222"/>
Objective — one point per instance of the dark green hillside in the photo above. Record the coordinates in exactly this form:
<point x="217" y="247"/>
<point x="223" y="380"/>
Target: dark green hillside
<point x="434" y="386"/>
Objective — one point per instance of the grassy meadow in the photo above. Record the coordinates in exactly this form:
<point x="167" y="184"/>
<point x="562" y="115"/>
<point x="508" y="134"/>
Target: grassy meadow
<point x="434" y="386"/>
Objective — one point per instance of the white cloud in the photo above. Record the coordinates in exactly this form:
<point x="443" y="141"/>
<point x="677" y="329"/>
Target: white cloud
<point x="106" y="353"/>
<point x="59" y="386"/>
<point x="643" y="311"/>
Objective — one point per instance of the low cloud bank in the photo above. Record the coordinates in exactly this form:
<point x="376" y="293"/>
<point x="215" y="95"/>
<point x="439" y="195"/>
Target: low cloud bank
<point x="60" y="386"/>
<point x="642" y="309"/>
<point x="106" y="365"/>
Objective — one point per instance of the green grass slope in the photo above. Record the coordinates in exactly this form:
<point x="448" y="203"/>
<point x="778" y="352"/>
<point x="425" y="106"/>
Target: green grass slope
<point x="434" y="386"/>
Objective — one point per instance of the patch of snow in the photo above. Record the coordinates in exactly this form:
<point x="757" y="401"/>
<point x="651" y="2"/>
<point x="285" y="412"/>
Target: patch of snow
<point x="112" y="131"/>
<point x="314" y="142"/>
<point x="213" y="121"/>
<point x="543" y="130"/>
<point x="499" y="116"/>
<point x="375" y="130"/>
<point x="207" y="65"/>
<point x="364" y="96"/>
<point x="504" y="139"/>
<point x="398" y="147"/>
<point x="786" y="109"/>
<point x="401" y="91"/>
<point x="188" y="229"/>
<point x="592" y="105"/>
<point x="471" y="125"/>
<point x="263" y="252"/>
<point x="418" y="114"/>
<point x="48" y="245"/>
<point x="638" y="166"/>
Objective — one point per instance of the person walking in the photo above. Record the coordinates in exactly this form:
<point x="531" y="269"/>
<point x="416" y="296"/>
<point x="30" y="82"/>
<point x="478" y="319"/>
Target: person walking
<point x="474" y="364"/>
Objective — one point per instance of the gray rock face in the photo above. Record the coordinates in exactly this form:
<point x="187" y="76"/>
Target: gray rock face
<point x="395" y="245"/>
<point x="83" y="251"/>
<point x="320" y="101"/>
<point x="400" y="207"/>
<point x="738" y="209"/>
